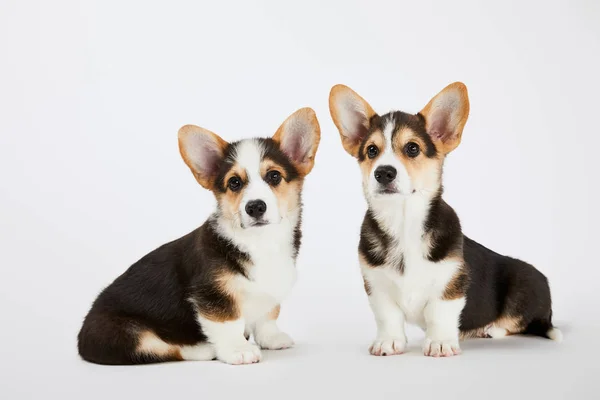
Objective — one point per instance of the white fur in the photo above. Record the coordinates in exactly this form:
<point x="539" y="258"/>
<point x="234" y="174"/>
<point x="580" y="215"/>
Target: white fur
<point x="415" y="295"/>
<point x="496" y="332"/>
<point x="229" y="342"/>
<point x="268" y="336"/>
<point x="389" y="317"/>
<point x="199" y="352"/>
<point x="442" y="321"/>
<point x="555" y="335"/>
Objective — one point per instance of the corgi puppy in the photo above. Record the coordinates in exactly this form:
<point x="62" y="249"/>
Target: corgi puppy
<point x="201" y="296"/>
<point x="417" y="265"/>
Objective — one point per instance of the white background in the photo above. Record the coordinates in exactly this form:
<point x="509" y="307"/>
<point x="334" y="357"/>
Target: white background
<point x="92" y="95"/>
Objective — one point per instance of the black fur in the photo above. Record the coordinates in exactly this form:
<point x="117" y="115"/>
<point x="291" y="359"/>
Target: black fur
<point x="372" y="241"/>
<point x="444" y="227"/>
<point x="504" y="286"/>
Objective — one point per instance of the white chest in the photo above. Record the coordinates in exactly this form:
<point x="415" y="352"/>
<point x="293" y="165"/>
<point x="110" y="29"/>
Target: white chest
<point x="271" y="276"/>
<point x="421" y="281"/>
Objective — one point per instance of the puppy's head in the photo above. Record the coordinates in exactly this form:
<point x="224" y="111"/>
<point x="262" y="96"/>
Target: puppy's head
<point x="399" y="153"/>
<point x="257" y="182"/>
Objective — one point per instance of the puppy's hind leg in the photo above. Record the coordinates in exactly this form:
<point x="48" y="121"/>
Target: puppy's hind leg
<point x="113" y="340"/>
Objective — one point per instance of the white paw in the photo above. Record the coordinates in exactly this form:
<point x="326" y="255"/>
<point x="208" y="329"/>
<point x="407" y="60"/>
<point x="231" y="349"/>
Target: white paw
<point x="387" y="347"/>
<point x="275" y="341"/>
<point x="441" y="348"/>
<point x="245" y="353"/>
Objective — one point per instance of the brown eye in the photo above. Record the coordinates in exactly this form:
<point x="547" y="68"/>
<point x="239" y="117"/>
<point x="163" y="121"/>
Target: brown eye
<point x="372" y="151"/>
<point x="234" y="184"/>
<point x="412" y="149"/>
<point x="273" y="178"/>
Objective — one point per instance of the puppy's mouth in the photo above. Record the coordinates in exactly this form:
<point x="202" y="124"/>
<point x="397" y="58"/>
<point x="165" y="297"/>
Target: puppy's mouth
<point x="390" y="189"/>
<point x="255" y="224"/>
<point x="258" y="223"/>
<point x="387" y="189"/>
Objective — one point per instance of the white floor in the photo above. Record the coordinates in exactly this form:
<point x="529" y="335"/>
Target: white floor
<point x="330" y="360"/>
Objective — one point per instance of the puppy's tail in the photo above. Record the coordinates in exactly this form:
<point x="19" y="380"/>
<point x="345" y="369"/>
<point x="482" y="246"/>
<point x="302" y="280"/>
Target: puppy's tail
<point x="554" y="334"/>
<point x="544" y="328"/>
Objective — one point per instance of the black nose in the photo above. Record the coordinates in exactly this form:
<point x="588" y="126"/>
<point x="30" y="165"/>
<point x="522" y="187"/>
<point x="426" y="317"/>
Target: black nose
<point x="384" y="174"/>
<point x="256" y="208"/>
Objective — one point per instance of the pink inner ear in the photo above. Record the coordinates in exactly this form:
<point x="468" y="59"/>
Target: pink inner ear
<point x="296" y="151"/>
<point x="211" y="162"/>
<point x="439" y="129"/>
<point x="296" y="144"/>
<point x="205" y="155"/>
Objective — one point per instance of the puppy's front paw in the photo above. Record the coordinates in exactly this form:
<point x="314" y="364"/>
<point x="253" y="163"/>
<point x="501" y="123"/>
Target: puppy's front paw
<point x="246" y="353"/>
<point x="441" y="348"/>
<point x="275" y="341"/>
<point x="387" y="347"/>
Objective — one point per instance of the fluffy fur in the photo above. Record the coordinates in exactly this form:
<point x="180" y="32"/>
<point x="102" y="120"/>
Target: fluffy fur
<point x="417" y="265"/>
<point x="203" y="295"/>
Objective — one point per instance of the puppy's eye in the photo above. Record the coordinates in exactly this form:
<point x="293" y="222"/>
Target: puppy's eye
<point x="273" y="178"/>
<point x="234" y="184"/>
<point x="372" y="151"/>
<point x="412" y="149"/>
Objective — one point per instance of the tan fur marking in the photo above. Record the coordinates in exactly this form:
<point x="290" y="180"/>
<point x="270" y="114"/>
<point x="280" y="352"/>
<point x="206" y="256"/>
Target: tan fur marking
<point x="267" y="165"/>
<point x="425" y="173"/>
<point x="457" y="287"/>
<point x="230" y="201"/>
<point x="366" y="166"/>
<point x="274" y="313"/>
<point x="512" y="324"/>
<point x="225" y="284"/>
<point x="150" y="343"/>
<point x="473" y="333"/>
<point x="287" y="193"/>
<point x="236" y="170"/>
<point x="337" y="94"/>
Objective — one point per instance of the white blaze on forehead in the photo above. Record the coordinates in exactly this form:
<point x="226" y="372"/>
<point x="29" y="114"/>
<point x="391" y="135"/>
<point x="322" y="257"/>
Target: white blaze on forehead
<point x="249" y="155"/>
<point x="388" y="132"/>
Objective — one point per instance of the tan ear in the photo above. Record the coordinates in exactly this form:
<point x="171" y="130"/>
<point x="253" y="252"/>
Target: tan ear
<point x="446" y="115"/>
<point x="351" y="114"/>
<point x="202" y="151"/>
<point x="299" y="137"/>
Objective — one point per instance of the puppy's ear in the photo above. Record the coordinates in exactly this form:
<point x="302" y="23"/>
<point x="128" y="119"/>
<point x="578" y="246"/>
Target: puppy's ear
<point x="202" y="151"/>
<point x="299" y="137"/>
<point x="351" y="115"/>
<point x="446" y="115"/>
